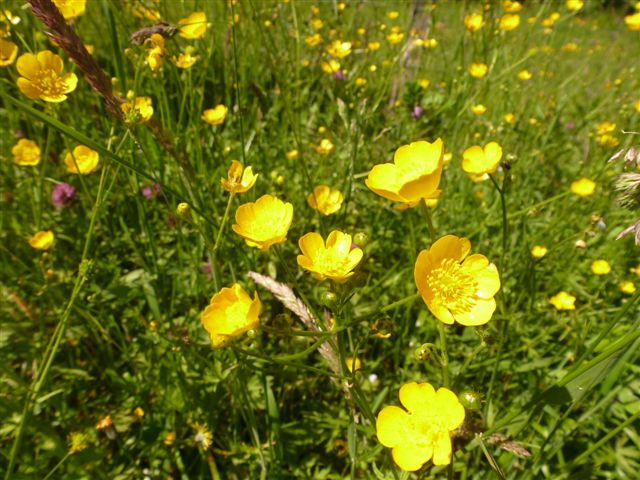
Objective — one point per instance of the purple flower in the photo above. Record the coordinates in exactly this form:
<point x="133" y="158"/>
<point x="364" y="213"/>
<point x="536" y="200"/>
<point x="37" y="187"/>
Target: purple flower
<point x="417" y="112"/>
<point x="569" y="125"/>
<point x="62" y="194"/>
<point x="151" y="191"/>
<point x="339" y="75"/>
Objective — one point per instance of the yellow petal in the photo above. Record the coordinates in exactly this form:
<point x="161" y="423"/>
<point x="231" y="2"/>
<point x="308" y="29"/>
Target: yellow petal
<point x="28" y="88"/>
<point x="485" y="274"/>
<point x="449" y="246"/>
<point x="411" y="457"/>
<point x="311" y="243"/>
<point x="383" y="180"/>
<point x="479" y="314"/>
<point x="50" y="61"/>
<point x="450" y="409"/>
<point x="414" y="396"/>
<point x="391" y="426"/>
<point x="28" y="65"/>
<point x="442" y="449"/>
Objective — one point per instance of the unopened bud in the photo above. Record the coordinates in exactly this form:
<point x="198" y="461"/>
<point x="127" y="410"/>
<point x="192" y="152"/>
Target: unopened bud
<point x="329" y="299"/>
<point x="423" y="352"/>
<point x="470" y="400"/>
<point x="183" y="209"/>
<point x="361" y="239"/>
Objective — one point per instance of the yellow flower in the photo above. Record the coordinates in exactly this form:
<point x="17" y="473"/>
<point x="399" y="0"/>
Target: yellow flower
<point x="325" y="147"/>
<point x="583" y="187"/>
<point x="77" y="442"/>
<point x="8" y="52"/>
<point x="395" y="37"/>
<point x="511" y="7"/>
<point x="373" y="46"/>
<point x="563" y="301"/>
<point x="169" y="438"/>
<point x="313" y="40"/>
<point x="83" y="160"/>
<point x="138" y="412"/>
<point x="637" y="105"/>
<point x="230" y="313"/>
<point x="455" y="288"/>
<point x="325" y="200"/>
<point x="423" y="431"/>
<point x="292" y="155"/>
<point x="360" y="81"/>
<point x="478" y="70"/>
<point x="570" y="47"/>
<point x="239" y="179"/>
<point x="70" y="8"/>
<point x="203" y="436"/>
<point x="334" y="260"/>
<point x="524" y="75"/>
<point x="478" y="161"/>
<point x="393" y="14"/>
<point x="185" y="60"/>
<point x="338" y="49"/>
<point x="215" y="116"/>
<point x="478" y="109"/>
<point x="574" y="5"/>
<point x="194" y="26"/>
<point x="627" y="287"/>
<point x="138" y="110"/>
<point x="42" y="240"/>
<point x="413" y="175"/>
<point x="633" y="22"/>
<point x="265" y="222"/>
<point x="509" y="21"/>
<point x="26" y="152"/>
<point x="317" y="24"/>
<point x="156" y="52"/>
<point x="473" y="22"/>
<point x="42" y="77"/>
<point x="538" y="251"/>
<point x="424" y="83"/>
<point x="330" y="67"/>
<point x="606" y="127"/>
<point x="353" y="364"/>
<point x="104" y="423"/>
<point x="600" y="267"/>
<point x="510" y="118"/>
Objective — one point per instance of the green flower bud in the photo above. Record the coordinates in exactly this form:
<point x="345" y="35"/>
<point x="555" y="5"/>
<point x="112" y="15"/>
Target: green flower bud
<point x="470" y="400"/>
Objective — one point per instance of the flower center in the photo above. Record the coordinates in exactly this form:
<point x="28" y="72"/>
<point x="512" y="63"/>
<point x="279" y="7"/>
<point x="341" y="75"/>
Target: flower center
<point x="50" y="83"/>
<point x="452" y="287"/>
<point x="424" y="429"/>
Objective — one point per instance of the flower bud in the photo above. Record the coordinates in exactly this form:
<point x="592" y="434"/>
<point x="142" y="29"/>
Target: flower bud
<point x="470" y="400"/>
<point x="183" y="209"/>
<point x="423" y="352"/>
<point x="361" y="239"/>
<point x="329" y="299"/>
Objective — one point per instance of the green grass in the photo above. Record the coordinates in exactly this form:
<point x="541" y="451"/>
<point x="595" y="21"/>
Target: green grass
<point x="108" y="319"/>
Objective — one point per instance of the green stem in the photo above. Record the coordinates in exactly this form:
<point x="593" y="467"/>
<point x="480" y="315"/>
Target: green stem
<point x="503" y="203"/>
<point x="427" y="215"/>
<point x="237" y="79"/>
<point x="444" y="356"/>
<point x="223" y="223"/>
<point x="58" y="465"/>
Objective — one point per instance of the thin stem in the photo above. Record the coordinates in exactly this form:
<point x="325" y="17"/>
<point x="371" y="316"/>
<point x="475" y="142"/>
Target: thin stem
<point x="427" y="214"/>
<point x="444" y="356"/>
<point x="58" y="465"/>
<point x="503" y="203"/>
<point x="237" y="79"/>
<point x="223" y="223"/>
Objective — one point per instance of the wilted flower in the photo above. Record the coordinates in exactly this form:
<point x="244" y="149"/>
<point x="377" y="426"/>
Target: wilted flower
<point x="62" y="194"/>
<point x="8" y="52"/>
<point x="77" y="442"/>
<point x="42" y="77"/>
<point x="231" y="312"/>
<point x="353" y="364"/>
<point x="239" y="179"/>
<point x="583" y="187"/>
<point x="334" y="260"/>
<point x="265" y="222"/>
<point x="478" y="161"/>
<point x="194" y="26"/>
<point x="423" y="431"/>
<point x="413" y="175"/>
<point x="203" y="437"/>
<point x="42" y="240"/>
<point x="26" y="153"/>
<point x="71" y="8"/>
<point x="563" y="301"/>
<point x="325" y="200"/>
<point x="478" y="70"/>
<point x="104" y="423"/>
<point x="600" y="267"/>
<point x="82" y="160"/>
<point x="215" y="116"/>
<point x="456" y="288"/>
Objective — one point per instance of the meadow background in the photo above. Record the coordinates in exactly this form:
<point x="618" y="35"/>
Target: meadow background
<point x="107" y="371"/>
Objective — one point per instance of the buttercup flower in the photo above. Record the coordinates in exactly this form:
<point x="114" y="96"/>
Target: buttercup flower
<point x="215" y="116"/>
<point x="627" y="286"/>
<point x="292" y="155"/>
<point x="156" y="51"/>
<point x="325" y="147"/>
<point x="8" y="52"/>
<point x="509" y="21"/>
<point x="26" y="152"/>
<point x="478" y="70"/>
<point x="574" y="5"/>
<point x="423" y="431"/>
<point x="583" y="187"/>
<point x="538" y="251"/>
<point x="338" y="49"/>
<point x="478" y="161"/>
<point x="473" y="22"/>
<point x="478" y="109"/>
<point x="331" y="67"/>
<point x="230" y="313"/>
<point x="42" y="240"/>
<point x="413" y="175"/>
<point x="71" y="8"/>
<point x="334" y="260"/>
<point x="138" y="109"/>
<point x="186" y="59"/>
<point x="524" y="75"/>
<point x="263" y="223"/>
<point x="600" y="267"/>
<point x="42" y="77"/>
<point x="395" y="37"/>
<point x="239" y="179"/>
<point x="563" y="301"/>
<point x="456" y="288"/>
<point x="325" y="200"/>
<point x="194" y="26"/>
<point x="353" y="364"/>
<point x="82" y="160"/>
<point x="511" y="7"/>
<point x="633" y="22"/>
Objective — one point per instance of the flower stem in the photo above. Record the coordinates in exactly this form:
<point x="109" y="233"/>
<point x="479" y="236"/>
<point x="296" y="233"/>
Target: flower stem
<point x="503" y="203"/>
<point x="444" y="356"/>
<point x="223" y="223"/>
<point x="427" y="214"/>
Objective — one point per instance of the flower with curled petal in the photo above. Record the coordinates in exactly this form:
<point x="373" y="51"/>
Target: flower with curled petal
<point x="230" y="313"/>
<point x="477" y="160"/>
<point x="334" y="259"/>
<point x="422" y="432"/>
<point x="42" y="78"/>
<point x="455" y="288"/>
<point x="194" y="26"/>
<point x="264" y="222"/>
<point x="413" y="175"/>
<point x="239" y="179"/>
<point x="325" y="200"/>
